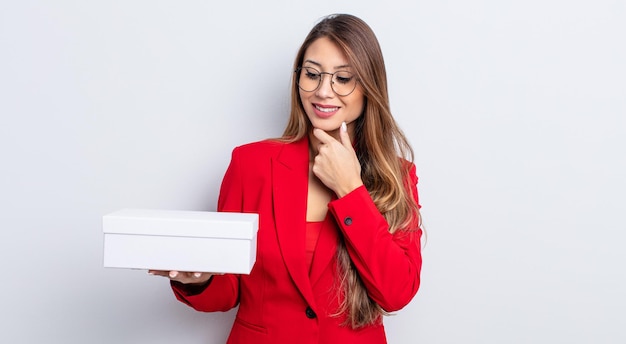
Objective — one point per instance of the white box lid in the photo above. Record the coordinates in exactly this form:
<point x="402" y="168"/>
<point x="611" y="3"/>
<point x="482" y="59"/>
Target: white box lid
<point x="181" y="223"/>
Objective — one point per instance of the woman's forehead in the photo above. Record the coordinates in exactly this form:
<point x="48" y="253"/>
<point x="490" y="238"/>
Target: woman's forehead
<point x="326" y="54"/>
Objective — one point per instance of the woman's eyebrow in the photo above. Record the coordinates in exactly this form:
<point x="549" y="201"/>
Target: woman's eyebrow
<point x="320" y="65"/>
<point x="313" y="62"/>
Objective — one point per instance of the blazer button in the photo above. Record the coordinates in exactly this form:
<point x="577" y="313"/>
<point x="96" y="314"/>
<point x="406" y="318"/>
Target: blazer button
<point x="347" y="221"/>
<point x="309" y="313"/>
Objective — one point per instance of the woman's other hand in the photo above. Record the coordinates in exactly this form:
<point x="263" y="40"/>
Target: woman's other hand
<point x="185" y="277"/>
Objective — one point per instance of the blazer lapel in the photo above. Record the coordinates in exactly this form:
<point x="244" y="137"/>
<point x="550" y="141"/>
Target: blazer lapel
<point x="290" y="173"/>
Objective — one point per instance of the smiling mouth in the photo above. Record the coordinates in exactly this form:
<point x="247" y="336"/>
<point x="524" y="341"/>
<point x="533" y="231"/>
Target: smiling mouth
<point x="326" y="109"/>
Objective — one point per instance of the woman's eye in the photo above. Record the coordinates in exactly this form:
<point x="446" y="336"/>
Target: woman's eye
<point x="344" y="79"/>
<point x="312" y="75"/>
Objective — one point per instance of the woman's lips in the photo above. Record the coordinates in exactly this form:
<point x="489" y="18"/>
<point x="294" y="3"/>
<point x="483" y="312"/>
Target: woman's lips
<point x="325" y="111"/>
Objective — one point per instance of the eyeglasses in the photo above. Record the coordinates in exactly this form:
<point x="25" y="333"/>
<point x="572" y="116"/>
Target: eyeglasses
<point x="309" y="79"/>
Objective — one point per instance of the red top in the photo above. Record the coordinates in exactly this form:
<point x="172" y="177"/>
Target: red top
<point x="313" y="230"/>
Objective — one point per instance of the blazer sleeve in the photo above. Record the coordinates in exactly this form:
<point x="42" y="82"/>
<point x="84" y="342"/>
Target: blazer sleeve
<point x="388" y="264"/>
<point x="222" y="291"/>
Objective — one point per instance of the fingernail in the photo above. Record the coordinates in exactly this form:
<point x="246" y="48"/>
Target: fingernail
<point x="173" y="274"/>
<point x="197" y="274"/>
<point x="344" y="127"/>
<point x="150" y="273"/>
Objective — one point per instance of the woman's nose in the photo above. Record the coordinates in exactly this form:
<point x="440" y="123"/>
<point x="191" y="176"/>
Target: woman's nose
<point x="325" y="90"/>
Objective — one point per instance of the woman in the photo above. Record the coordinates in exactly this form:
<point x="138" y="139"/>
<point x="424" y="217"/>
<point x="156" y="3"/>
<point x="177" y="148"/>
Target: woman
<point x="339" y="234"/>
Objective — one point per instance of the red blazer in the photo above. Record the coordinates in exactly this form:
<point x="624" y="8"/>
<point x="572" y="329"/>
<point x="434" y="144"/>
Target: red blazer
<point x="281" y="301"/>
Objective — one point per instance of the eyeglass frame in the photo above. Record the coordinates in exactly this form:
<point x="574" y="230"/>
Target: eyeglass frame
<point x="321" y="79"/>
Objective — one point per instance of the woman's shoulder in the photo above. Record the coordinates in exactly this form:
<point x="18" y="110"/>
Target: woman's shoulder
<point x="263" y="148"/>
<point x="262" y="144"/>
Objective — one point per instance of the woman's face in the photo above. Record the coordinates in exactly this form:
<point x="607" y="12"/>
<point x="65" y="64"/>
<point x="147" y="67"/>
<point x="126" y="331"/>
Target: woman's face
<point x="326" y="109"/>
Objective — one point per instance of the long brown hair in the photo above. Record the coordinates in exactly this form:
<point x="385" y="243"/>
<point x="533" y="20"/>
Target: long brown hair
<point x="382" y="149"/>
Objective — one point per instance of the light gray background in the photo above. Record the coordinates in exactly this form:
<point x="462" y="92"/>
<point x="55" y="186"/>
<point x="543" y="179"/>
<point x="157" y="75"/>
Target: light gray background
<point x="516" y="110"/>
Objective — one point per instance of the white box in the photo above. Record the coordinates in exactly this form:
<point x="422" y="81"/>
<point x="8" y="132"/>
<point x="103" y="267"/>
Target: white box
<point x="180" y="240"/>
